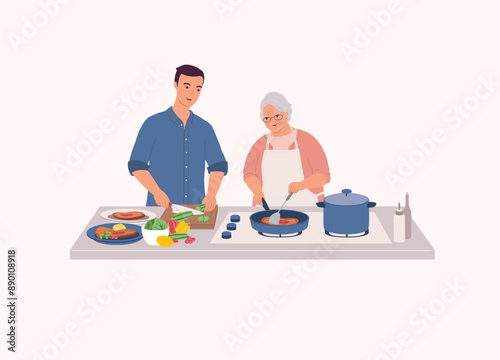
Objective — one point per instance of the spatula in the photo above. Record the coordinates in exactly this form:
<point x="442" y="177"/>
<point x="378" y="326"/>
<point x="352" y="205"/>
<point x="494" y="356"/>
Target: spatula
<point x="275" y="218"/>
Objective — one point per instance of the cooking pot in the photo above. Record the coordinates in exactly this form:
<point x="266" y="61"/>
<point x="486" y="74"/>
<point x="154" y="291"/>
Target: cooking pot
<point x="346" y="214"/>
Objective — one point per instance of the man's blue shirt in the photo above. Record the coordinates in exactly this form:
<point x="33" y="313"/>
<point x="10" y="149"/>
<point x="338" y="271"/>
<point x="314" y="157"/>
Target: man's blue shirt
<point x="176" y="156"/>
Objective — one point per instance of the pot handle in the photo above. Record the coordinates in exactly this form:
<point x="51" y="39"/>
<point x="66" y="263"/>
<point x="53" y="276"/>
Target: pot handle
<point x="371" y="204"/>
<point x="320" y="204"/>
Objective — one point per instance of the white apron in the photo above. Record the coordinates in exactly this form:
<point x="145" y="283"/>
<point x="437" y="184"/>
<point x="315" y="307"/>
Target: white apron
<point x="279" y="169"/>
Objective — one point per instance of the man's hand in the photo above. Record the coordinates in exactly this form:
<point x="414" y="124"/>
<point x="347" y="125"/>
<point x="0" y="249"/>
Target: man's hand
<point x="162" y="199"/>
<point x="295" y="187"/>
<point x="210" y="202"/>
<point x="257" y="198"/>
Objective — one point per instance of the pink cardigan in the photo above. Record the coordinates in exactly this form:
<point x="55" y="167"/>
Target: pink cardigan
<point x="312" y="155"/>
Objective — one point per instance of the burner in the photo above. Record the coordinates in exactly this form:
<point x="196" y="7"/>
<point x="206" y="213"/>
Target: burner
<point x="347" y="235"/>
<point x="280" y="235"/>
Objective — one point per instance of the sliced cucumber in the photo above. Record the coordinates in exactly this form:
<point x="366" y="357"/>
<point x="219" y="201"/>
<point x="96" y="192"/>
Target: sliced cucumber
<point x="178" y="236"/>
<point x="200" y="207"/>
<point x="182" y="216"/>
<point x="203" y="219"/>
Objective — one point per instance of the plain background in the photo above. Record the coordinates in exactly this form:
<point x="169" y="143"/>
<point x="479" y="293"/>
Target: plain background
<point x="365" y="113"/>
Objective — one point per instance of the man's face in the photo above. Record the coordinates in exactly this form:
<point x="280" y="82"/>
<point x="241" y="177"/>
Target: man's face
<point x="188" y="89"/>
<point x="272" y="119"/>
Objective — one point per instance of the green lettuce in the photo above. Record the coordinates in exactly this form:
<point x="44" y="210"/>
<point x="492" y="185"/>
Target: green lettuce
<point x="156" y="224"/>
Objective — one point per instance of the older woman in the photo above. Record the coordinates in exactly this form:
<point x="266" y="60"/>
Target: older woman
<point x="286" y="160"/>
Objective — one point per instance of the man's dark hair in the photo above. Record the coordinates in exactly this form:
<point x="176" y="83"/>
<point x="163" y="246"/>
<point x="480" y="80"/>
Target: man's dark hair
<point x="188" y="70"/>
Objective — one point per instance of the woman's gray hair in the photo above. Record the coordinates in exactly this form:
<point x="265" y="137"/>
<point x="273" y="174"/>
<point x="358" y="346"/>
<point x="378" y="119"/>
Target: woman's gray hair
<point x="278" y="101"/>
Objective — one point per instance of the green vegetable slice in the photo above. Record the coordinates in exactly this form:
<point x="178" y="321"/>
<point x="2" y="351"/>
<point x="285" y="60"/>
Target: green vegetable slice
<point x="200" y="207"/>
<point x="178" y="236"/>
<point x="183" y="215"/>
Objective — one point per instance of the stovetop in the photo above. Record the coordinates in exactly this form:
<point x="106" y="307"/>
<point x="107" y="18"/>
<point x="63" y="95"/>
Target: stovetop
<point x="314" y="234"/>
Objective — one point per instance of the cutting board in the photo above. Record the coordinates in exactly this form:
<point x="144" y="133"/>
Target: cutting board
<point x="168" y="213"/>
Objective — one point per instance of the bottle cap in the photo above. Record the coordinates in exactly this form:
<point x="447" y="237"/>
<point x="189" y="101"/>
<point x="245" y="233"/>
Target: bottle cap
<point x="399" y="211"/>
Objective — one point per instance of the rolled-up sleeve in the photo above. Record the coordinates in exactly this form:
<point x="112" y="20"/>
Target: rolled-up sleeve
<point x="139" y="159"/>
<point x="220" y="166"/>
<point x="213" y="153"/>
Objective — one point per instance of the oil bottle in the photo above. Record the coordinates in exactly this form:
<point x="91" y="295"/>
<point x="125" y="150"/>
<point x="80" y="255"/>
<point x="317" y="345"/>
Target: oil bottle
<point x="407" y="214"/>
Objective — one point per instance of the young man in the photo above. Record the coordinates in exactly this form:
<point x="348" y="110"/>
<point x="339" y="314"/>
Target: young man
<point x="172" y="147"/>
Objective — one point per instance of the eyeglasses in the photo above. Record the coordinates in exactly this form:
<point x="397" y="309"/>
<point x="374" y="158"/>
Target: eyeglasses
<point x="277" y="117"/>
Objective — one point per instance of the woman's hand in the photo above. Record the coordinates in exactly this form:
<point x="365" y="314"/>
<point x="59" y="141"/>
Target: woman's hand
<point x="162" y="199"/>
<point x="257" y="198"/>
<point x="296" y="187"/>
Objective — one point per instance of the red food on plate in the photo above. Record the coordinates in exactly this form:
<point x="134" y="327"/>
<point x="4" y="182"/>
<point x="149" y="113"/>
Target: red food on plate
<point x="283" y="221"/>
<point x="118" y="234"/>
<point x="128" y="215"/>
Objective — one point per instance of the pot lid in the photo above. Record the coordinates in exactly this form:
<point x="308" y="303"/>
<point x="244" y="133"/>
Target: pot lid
<point x="347" y="197"/>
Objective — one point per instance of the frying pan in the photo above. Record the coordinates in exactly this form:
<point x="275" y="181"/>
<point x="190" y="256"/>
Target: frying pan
<point x="281" y="230"/>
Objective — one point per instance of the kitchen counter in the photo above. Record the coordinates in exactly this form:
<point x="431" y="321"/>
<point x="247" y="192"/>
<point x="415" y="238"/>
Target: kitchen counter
<point x="312" y="243"/>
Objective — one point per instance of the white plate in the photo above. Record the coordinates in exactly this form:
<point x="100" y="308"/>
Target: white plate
<point x="108" y="215"/>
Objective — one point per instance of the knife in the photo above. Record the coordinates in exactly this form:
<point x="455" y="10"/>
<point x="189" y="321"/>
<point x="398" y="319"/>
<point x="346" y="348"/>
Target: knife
<point x="178" y="208"/>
